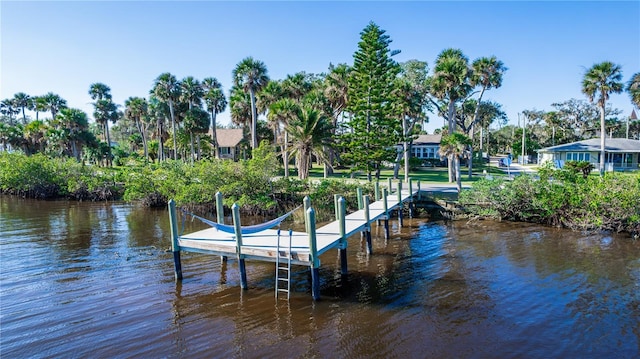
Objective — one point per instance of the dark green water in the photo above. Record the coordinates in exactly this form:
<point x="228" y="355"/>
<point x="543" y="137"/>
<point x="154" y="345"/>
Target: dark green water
<point x="93" y="280"/>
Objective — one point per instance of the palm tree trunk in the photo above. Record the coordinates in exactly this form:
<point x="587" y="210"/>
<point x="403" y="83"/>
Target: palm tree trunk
<point x="602" y="139"/>
<point x="214" y="138"/>
<point x="285" y="155"/>
<point x="254" y="120"/>
<point x="451" y="118"/>
<point x="106" y="131"/>
<point x="192" y="151"/>
<point x="160" y="142"/>
<point x="173" y="125"/>
<point x="457" y="166"/>
<point x="470" y="162"/>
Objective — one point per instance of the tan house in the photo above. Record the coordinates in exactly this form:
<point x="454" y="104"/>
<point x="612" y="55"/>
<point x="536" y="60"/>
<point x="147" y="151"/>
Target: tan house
<point x="229" y="142"/>
<point x="621" y="154"/>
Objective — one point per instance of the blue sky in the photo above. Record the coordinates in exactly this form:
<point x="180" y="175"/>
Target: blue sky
<point x="63" y="47"/>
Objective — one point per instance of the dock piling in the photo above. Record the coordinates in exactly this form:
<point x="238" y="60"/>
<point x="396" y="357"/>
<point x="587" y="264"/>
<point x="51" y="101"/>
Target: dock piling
<point x="390" y="184"/>
<point x="175" y="246"/>
<point x="310" y="215"/>
<point x="411" y="202"/>
<point x="342" y="248"/>
<point x="220" y="215"/>
<point x="400" y="204"/>
<point x="386" y="213"/>
<point x="367" y="220"/>
<point x="238" y="230"/>
<point x="306" y="201"/>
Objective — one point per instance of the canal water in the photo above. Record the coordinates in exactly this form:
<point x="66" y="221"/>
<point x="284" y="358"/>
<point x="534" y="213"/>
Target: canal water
<point x="95" y="280"/>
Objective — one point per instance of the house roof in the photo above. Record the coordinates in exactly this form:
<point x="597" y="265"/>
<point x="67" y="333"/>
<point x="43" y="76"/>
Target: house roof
<point x="427" y="140"/>
<point x="228" y="137"/>
<point x="593" y="145"/>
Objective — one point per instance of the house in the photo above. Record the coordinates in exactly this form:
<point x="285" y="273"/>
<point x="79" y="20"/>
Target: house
<point x="426" y="147"/>
<point x="620" y="154"/>
<point x="229" y="141"/>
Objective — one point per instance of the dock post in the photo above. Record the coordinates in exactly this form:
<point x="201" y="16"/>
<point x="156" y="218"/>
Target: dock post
<point x="220" y="215"/>
<point x="386" y="213"/>
<point x="310" y="215"/>
<point x="306" y="201"/>
<point x="377" y="190"/>
<point x="359" y="195"/>
<point x="390" y="184"/>
<point x="236" y="224"/>
<point x="342" y="248"/>
<point x="410" y="198"/>
<point x="175" y="246"/>
<point x="336" y="199"/>
<point x="367" y="219"/>
<point x="400" y="204"/>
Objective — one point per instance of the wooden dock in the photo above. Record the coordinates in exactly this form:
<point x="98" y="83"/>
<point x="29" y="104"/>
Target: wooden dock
<point x="306" y="247"/>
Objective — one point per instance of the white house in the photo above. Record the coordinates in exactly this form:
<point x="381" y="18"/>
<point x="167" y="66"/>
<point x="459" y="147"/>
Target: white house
<point x="426" y="147"/>
<point x="620" y="153"/>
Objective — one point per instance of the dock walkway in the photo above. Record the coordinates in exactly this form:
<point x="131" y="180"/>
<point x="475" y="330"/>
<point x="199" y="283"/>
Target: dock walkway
<point x="306" y="247"/>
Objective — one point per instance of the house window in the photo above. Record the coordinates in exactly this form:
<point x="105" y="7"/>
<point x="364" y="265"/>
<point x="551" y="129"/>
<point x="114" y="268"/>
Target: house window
<point x="578" y="156"/>
<point x="225" y="151"/>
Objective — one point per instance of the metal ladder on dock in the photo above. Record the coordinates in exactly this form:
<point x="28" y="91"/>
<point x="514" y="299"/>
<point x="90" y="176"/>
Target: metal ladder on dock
<point x="283" y="273"/>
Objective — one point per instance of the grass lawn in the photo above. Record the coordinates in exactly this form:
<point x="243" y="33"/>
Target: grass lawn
<point x="424" y="174"/>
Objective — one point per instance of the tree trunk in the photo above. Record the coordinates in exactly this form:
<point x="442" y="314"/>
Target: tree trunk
<point x="192" y="150"/>
<point x="160" y="142"/>
<point x="285" y="154"/>
<point x="214" y="137"/>
<point x="396" y="167"/>
<point x="106" y="131"/>
<point x="470" y="161"/>
<point x="602" y="140"/>
<point x="451" y="118"/>
<point x="458" y="179"/>
<point x="254" y="120"/>
<point x="173" y="125"/>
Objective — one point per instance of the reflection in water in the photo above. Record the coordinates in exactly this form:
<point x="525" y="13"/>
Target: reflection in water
<point x="94" y="279"/>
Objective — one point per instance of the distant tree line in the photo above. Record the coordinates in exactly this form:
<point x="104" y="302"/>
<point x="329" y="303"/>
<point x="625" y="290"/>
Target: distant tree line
<point x="353" y="115"/>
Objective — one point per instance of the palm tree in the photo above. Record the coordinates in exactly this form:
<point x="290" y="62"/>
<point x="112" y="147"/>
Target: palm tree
<point x="450" y="84"/>
<point x="99" y="91"/>
<point x="216" y="103"/>
<point x="598" y="83"/>
<point x="54" y="103"/>
<point x="105" y="109"/>
<point x="34" y="133"/>
<point x="74" y="122"/>
<point x="167" y="88"/>
<point x="9" y="109"/>
<point x="191" y="92"/>
<point x="487" y="73"/>
<point x="633" y="88"/>
<point x="310" y="132"/>
<point x="22" y="101"/>
<point x="136" y="109"/>
<point x="251" y="76"/>
<point x="37" y="104"/>
<point x="283" y="112"/>
<point x="453" y="146"/>
<point x="196" y="121"/>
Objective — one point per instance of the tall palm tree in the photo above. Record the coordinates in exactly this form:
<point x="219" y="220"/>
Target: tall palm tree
<point x="251" y="76"/>
<point x="9" y="109"/>
<point x="633" y="88"/>
<point x="38" y="104"/>
<point x="99" y="91"/>
<point x="598" y="83"/>
<point x="216" y="103"/>
<point x="282" y="112"/>
<point x="450" y="84"/>
<point x="54" y="103"/>
<point x="74" y="122"/>
<point x="191" y="92"/>
<point x="487" y="73"/>
<point x="136" y="109"/>
<point x="310" y="132"/>
<point x="22" y="101"/>
<point x="105" y="109"/>
<point x="453" y="146"/>
<point x="167" y="88"/>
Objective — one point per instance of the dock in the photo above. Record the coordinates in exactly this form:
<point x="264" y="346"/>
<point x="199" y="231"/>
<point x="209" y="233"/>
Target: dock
<point x="298" y="248"/>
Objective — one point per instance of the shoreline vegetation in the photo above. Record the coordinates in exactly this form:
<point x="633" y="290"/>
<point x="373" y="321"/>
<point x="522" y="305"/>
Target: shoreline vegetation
<point x="561" y="198"/>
